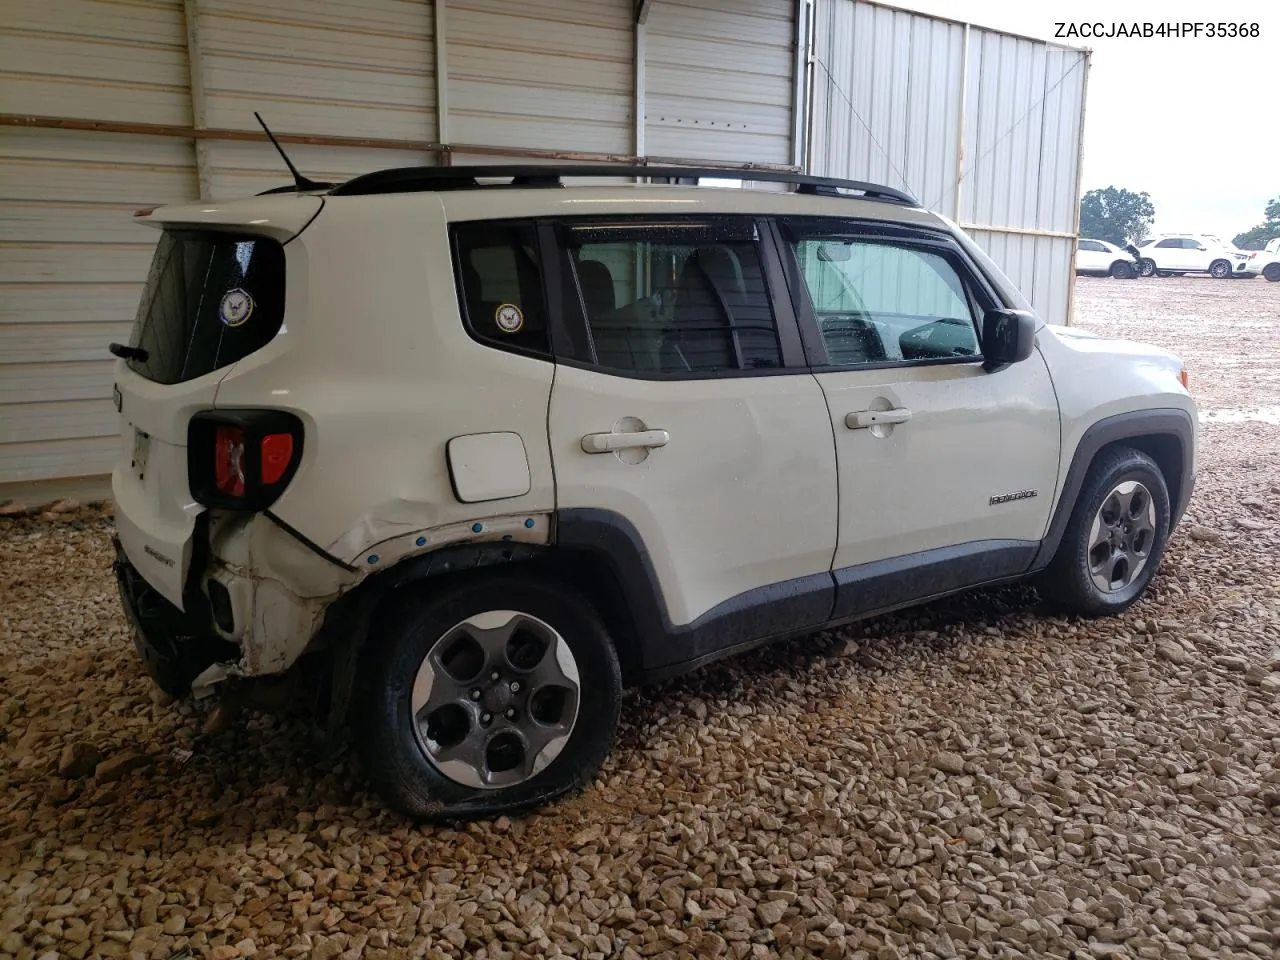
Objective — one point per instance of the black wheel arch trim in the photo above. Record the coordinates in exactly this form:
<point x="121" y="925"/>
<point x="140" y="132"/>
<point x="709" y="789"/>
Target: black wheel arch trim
<point x="1138" y="425"/>
<point x="349" y="620"/>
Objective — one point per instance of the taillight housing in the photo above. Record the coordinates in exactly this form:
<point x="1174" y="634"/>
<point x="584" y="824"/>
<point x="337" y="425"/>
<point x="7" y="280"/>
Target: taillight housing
<point x="242" y="459"/>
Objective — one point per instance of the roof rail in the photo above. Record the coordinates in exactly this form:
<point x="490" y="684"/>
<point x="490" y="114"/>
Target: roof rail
<point x="413" y="179"/>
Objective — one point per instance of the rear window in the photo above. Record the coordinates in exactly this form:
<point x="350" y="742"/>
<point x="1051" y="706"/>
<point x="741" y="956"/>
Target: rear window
<point x="211" y="299"/>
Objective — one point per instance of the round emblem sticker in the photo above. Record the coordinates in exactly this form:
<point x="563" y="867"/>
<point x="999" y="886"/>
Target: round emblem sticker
<point x="235" y="308"/>
<point x="508" y="318"/>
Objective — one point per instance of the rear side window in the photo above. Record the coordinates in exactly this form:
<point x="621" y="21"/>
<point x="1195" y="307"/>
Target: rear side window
<point x="674" y="296"/>
<point x="499" y="277"/>
<point x="210" y="299"/>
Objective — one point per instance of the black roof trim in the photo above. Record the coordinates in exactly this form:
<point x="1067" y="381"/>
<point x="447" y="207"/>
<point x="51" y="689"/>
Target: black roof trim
<point x="415" y="179"/>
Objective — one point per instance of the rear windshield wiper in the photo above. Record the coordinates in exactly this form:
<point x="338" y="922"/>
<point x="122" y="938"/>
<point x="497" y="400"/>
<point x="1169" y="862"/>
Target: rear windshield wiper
<point x="129" y="353"/>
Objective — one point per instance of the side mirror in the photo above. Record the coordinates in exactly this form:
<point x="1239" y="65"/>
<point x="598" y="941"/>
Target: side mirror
<point x="1008" y="336"/>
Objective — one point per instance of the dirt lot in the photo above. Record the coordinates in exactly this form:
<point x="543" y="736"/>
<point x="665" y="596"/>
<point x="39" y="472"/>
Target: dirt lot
<point x="977" y="778"/>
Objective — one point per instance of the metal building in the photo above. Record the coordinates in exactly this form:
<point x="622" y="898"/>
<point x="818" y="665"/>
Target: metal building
<point x="983" y="127"/>
<point x="110" y="105"/>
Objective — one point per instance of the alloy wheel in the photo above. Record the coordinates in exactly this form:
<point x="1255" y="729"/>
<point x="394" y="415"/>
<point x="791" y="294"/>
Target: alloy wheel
<point x="495" y="699"/>
<point x="1122" y="536"/>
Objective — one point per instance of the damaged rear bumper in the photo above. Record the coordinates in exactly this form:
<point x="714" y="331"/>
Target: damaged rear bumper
<point x="175" y="646"/>
<point x="242" y="617"/>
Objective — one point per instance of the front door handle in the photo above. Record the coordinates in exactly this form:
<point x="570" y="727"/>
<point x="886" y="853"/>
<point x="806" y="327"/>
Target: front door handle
<point x="871" y="418"/>
<point x="609" y="442"/>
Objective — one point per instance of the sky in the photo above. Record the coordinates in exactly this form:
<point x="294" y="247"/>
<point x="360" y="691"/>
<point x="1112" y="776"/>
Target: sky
<point x="1192" y="121"/>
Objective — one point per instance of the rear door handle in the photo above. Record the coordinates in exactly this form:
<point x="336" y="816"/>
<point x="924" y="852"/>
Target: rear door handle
<point x="870" y="418"/>
<point x="608" y="442"/>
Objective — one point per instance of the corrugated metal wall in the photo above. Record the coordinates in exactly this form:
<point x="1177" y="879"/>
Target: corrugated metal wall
<point x="354" y="85"/>
<point x="718" y="80"/>
<point x="71" y="262"/>
<point x="981" y="126"/>
<point x="555" y="75"/>
<point x="340" y="68"/>
<point x="887" y="99"/>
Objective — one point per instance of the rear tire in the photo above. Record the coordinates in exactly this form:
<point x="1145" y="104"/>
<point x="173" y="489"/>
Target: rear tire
<point x="534" y="734"/>
<point x="1122" y="270"/>
<point x="1220" y="270"/>
<point x="1115" y="537"/>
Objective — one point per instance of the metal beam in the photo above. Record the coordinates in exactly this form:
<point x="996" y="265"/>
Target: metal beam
<point x="641" y="48"/>
<point x="800" y="68"/>
<point x="1020" y="231"/>
<point x="442" y="73"/>
<point x="199" y="117"/>
<point x="1075" y="220"/>
<point x="964" y="106"/>
<point x="642" y="11"/>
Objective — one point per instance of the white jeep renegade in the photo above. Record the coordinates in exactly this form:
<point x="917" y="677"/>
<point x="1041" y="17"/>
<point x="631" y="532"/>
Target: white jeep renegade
<point x="457" y="453"/>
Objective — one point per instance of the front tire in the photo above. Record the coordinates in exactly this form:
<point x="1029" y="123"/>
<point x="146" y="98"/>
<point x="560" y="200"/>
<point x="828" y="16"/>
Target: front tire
<point x="1220" y="270"/>
<point x="1122" y="270"/>
<point x="1115" y="537"/>
<point x="1272" y="272"/>
<point x="493" y="695"/>
<point x="1146" y="267"/>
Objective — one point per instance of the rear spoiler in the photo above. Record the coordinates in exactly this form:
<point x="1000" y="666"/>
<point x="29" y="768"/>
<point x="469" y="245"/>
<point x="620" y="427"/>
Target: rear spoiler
<point x="281" y="217"/>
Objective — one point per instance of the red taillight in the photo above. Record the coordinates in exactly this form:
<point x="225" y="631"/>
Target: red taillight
<point x="277" y="454"/>
<point x="228" y="461"/>
<point x="242" y="459"/>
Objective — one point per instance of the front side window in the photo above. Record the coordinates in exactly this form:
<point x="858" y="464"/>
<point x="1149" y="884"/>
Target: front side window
<point x="1170" y="244"/>
<point x="672" y="297"/>
<point x="1093" y="246"/>
<point x="500" y="284"/>
<point x="881" y="302"/>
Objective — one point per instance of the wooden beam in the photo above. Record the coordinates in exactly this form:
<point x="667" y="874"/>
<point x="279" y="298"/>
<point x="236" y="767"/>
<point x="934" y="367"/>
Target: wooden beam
<point x="208" y="133"/>
<point x="482" y="149"/>
<point x="642" y="11"/>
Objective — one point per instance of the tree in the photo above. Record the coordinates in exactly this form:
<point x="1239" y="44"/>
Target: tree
<point x="1263" y="233"/>
<point x="1115" y="215"/>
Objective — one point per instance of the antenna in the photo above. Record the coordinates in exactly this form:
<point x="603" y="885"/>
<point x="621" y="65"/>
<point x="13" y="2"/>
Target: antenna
<point x="300" y="182"/>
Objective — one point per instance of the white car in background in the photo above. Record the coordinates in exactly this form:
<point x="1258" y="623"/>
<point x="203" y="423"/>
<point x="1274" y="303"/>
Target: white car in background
<point x="1178" y="253"/>
<point x="1098" y="257"/>
<point x="1267" y="261"/>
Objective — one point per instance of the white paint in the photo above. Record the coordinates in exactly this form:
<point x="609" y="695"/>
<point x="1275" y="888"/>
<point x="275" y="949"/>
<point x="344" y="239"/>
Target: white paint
<point x="488" y="466"/>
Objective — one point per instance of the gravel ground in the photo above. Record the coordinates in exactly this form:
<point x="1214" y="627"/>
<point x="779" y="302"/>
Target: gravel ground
<point x="976" y="778"/>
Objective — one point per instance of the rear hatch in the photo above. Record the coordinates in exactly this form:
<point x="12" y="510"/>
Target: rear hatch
<point x="215" y="294"/>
